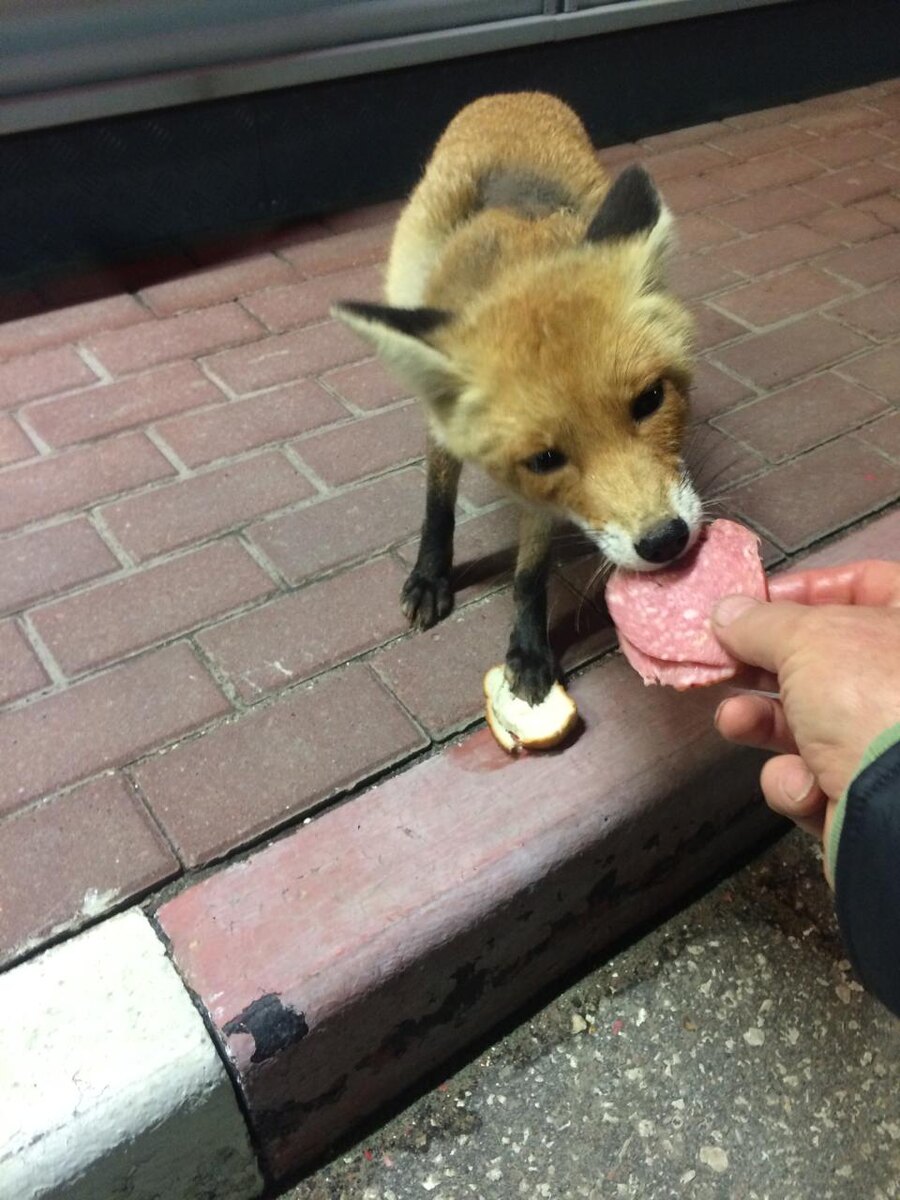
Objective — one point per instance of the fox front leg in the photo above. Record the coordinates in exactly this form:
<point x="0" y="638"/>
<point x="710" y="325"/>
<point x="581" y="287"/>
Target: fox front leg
<point x="530" y="666"/>
<point x="427" y="596"/>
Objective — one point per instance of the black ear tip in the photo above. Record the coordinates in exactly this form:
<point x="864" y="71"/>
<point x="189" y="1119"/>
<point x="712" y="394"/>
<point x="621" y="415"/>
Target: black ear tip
<point x="636" y="176"/>
<point x="414" y="322"/>
<point x="353" y="308"/>
<point x="632" y="206"/>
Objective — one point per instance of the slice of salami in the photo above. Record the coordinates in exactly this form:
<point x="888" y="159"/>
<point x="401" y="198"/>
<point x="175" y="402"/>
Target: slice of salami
<point x="666" y="614"/>
<point x="681" y="676"/>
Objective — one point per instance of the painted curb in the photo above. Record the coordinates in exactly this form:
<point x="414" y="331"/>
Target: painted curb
<point x="109" y="1084"/>
<point x="342" y="963"/>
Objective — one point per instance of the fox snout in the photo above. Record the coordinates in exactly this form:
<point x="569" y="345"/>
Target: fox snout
<point x="654" y="537"/>
<point x="663" y="542"/>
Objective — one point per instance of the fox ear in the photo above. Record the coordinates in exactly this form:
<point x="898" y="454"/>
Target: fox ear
<point x="633" y="211"/>
<point x="401" y="337"/>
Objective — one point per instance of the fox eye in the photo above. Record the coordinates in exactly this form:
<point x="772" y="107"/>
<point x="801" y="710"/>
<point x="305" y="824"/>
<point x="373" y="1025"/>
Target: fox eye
<point x="545" y="462"/>
<point x="647" y="403"/>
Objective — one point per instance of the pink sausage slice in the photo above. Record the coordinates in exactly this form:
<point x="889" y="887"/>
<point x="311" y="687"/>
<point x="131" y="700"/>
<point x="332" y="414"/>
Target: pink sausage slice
<point x="663" y="617"/>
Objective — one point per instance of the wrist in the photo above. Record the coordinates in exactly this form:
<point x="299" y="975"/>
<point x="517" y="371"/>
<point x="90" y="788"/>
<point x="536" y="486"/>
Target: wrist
<point x="874" y="750"/>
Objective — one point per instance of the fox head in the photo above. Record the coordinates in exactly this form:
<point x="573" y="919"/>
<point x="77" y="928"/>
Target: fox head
<point x="567" y="379"/>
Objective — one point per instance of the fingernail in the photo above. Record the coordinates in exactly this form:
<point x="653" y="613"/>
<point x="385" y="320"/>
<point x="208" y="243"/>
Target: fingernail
<point x="731" y="608"/>
<point x="798" y="783"/>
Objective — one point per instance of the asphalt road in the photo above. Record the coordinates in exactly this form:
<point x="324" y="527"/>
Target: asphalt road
<point x="728" y="1055"/>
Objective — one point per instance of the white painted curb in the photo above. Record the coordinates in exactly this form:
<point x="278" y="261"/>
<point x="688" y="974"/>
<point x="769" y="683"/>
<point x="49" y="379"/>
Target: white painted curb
<point x="110" y="1086"/>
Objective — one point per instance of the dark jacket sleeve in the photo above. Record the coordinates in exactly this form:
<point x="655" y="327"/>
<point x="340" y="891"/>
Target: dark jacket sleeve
<point x="867" y="877"/>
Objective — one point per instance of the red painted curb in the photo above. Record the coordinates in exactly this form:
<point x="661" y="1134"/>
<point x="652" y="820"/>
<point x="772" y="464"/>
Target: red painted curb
<point x="340" y="964"/>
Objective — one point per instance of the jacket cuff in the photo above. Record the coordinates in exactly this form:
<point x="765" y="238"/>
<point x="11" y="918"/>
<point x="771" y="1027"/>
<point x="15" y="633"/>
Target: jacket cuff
<point x="874" y="750"/>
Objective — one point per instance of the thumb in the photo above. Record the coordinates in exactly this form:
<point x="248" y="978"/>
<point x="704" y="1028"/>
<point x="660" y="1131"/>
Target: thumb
<point x="756" y="631"/>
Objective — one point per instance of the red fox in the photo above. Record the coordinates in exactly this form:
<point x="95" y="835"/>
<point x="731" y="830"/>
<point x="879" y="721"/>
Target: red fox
<point x="527" y="311"/>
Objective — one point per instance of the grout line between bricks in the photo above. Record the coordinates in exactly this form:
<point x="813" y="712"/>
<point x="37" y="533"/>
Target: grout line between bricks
<point x="323" y="489"/>
<point x="144" y="804"/>
<point x="325" y="383"/>
<point x="889" y="458"/>
<point x="221" y="679"/>
<point x="222" y="386"/>
<point x="21" y="418"/>
<point x="263" y="561"/>
<point x="707" y="357"/>
<point x="382" y="681"/>
<point x="48" y="662"/>
<point x="153" y="435"/>
<point x="91" y="360"/>
<point x="96" y="518"/>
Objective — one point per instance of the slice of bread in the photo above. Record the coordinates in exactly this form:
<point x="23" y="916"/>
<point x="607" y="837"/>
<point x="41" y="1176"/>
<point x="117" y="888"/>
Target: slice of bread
<point x="517" y="724"/>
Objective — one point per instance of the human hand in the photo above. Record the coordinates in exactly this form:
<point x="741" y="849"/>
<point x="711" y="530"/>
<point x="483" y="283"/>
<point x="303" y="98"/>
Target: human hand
<point x="828" y="643"/>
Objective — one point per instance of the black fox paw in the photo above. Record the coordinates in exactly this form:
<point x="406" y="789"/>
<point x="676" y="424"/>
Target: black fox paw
<point x="530" y="673"/>
<point x="426" y="600"/>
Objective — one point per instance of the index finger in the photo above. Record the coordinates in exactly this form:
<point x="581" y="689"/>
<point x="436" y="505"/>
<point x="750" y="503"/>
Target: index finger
<point x="759" y="633"/>
<point x="872" y="582"/>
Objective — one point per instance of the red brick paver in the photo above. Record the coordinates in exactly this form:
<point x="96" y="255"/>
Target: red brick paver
<point x="109" y="621"/>
<point x="286" y="357"/>
<point x="61" y="325"/>
<point x="788" y="502"/>
<point x="229" y="429"/>
<point x="49" y="561"/>
<point x="227" y="788"/>
<point x="787" y="294"/>
<point x="103" y="722"/>
<point x="792" y="350"/>
<point x="367" y="447"/>
<point x="109" y="408"/>
<point x="784" y="424"/>
<point x="357" y="523"/>
<point x="77" y="478"/>
<point x="193" y="509"/>
<point x="14" y="444"/>
<point x="83" y="876"/>
<point x="365" y="384"/>
<point x="225" y="281"/>
<point x="20" y="669"/>
<point x="127" y="350"/>
<point x="42" y="374"/>
<point x="210" y="494"/>
<point x="297" y="636"/>
<point x="296" y="304"/>
<point x="877" y="261"/>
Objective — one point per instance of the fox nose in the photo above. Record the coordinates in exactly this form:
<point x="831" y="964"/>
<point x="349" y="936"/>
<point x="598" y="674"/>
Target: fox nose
<point x="663" y="542"/>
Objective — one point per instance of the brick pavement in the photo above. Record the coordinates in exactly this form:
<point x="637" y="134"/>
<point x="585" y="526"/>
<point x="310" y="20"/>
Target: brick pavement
<point x="209" y="495"/>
